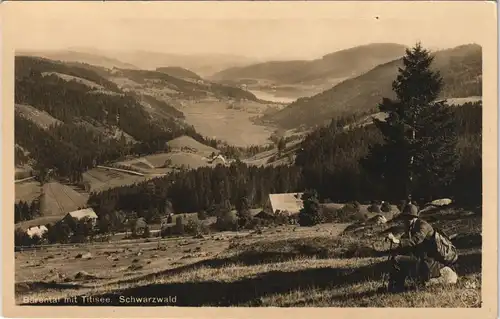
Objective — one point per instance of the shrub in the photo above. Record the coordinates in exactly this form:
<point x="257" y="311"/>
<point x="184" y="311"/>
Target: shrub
<point x="226" y="221"/>
<point x="146" y="233"/>
<point x="351" y="208"/>
<point x="386" y="207"/>
<point x="204" y="229"/>
<point x="202" y="215"/>
<point x="179" y="226"/>
<point x="330" y="214"/>
<point x="192" y="227"/>
<point x="374" y="208"/>
<point x="312" y="213"/>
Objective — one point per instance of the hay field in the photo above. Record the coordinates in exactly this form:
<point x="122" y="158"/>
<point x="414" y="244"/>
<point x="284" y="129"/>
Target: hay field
<point x="61" y="199"/>
<point x="102" y="179"/>
<point x="288" y="266"/>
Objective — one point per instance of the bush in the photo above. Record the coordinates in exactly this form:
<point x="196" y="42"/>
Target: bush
<point x="282" y="219"/>
<point x="386" y="207"/>
<point x="226" y="221"/>
<point x="342" y="215"/>
<point x="351" y="208"/>
<point x="374" y="208"/>
<point x="330" y="214"/>
<point x="179" y="226"/>
<point x="202" y="215"/>
<point x="244" y="218"/>
<point x="192" y="227"/>
<point x="312" y="213"/>
<point x="146" y="233"/>
<point x="204" y="229"/>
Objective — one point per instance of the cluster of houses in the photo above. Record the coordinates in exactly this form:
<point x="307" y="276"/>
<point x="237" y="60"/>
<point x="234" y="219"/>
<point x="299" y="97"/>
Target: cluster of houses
<point x="288" y="204"/>
<point x="80" y="214"/>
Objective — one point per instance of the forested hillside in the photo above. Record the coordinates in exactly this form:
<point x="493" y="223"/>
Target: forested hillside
<point x="179" y="72"/>
<point x="329" y="161"/>
<point x="340" y="64"/>
<point x="71" y="147"/>
<point x="460" y="67"/>
<point x="184" y="89"/>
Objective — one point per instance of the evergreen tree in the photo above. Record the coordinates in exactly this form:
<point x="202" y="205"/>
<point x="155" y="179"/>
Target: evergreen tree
<point x="418" y="154"/>
<point x="243" y="212"/>
<point x="312" y="213"/>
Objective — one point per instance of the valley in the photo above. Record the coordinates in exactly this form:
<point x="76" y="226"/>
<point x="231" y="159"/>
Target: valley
<point x="190" y="175"/>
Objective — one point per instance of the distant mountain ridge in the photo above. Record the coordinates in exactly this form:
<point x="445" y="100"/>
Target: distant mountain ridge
<point x="179" y="72"/>
<point x="341" y="64"/>
<point x="79" y="56"/>
<point x="460" y="67"/>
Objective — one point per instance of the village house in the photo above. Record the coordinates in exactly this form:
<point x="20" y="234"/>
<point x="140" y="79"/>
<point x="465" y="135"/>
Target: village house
<point x="36" y="231"/>
<point x="81" y="214"/>
<point x="287" y="203"/>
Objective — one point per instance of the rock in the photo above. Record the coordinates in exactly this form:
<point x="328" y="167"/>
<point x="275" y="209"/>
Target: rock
<point x="448" y="277"/>
<point x="87" y="256"/>
<point x="441" y="202"/>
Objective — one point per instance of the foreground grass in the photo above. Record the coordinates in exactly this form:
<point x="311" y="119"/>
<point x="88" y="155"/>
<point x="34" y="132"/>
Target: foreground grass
<point x="287" y="267"/>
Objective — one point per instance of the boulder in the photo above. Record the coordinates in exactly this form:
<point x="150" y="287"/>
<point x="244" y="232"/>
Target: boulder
<point x="441" y="202"/>
<point x="448" y="277"/>
<point x="87" y="256"/>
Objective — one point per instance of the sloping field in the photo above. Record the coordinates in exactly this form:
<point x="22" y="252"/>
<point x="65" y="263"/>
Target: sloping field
<point x="186" y="142"/>
<point x="44" y="220"/>
<point x="68" y="78"/>
<point x="40" y="118"/>
<point x="61" y="199"/>
<point x="463" y="100"/>
<point x="178" y="159"/>
<point x="102" y="179"/>
<point x="27" y="191"/>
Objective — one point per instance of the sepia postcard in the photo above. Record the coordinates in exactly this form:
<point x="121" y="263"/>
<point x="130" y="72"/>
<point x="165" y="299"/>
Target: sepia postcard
<point x="249" y="159"/>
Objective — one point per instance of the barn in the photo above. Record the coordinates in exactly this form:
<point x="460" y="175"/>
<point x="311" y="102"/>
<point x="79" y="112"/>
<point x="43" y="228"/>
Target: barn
<point x="80" y="214"/>
<point x="286" y="203"/>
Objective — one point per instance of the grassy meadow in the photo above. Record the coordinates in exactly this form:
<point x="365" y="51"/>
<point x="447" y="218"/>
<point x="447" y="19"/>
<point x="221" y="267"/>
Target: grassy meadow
<point x="328" y="265"/>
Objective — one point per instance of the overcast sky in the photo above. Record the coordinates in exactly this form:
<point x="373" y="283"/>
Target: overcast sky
<point x="257" y="30"/>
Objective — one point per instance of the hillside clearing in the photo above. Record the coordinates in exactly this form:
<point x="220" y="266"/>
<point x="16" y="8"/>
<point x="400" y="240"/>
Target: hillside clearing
<point x="40" y="118"/>
<point x="101" y="179"/>
<point x="60" y="199"/>
<point x="68" y="78"/>
<point x="186" y="142"/>
<point x="27" y="191"/>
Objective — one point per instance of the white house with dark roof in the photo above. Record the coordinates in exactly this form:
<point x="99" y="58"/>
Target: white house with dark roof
<point x="82" y="213"/>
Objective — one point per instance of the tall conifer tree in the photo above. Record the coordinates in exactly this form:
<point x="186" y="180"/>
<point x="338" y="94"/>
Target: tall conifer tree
<point x="418" y="154"/>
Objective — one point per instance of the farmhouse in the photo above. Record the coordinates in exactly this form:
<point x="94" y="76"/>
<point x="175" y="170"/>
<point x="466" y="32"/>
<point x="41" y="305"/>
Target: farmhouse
<point x="80" y="214"/>
<point x="36" y="231"/>
<point x="287" y="203"/>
